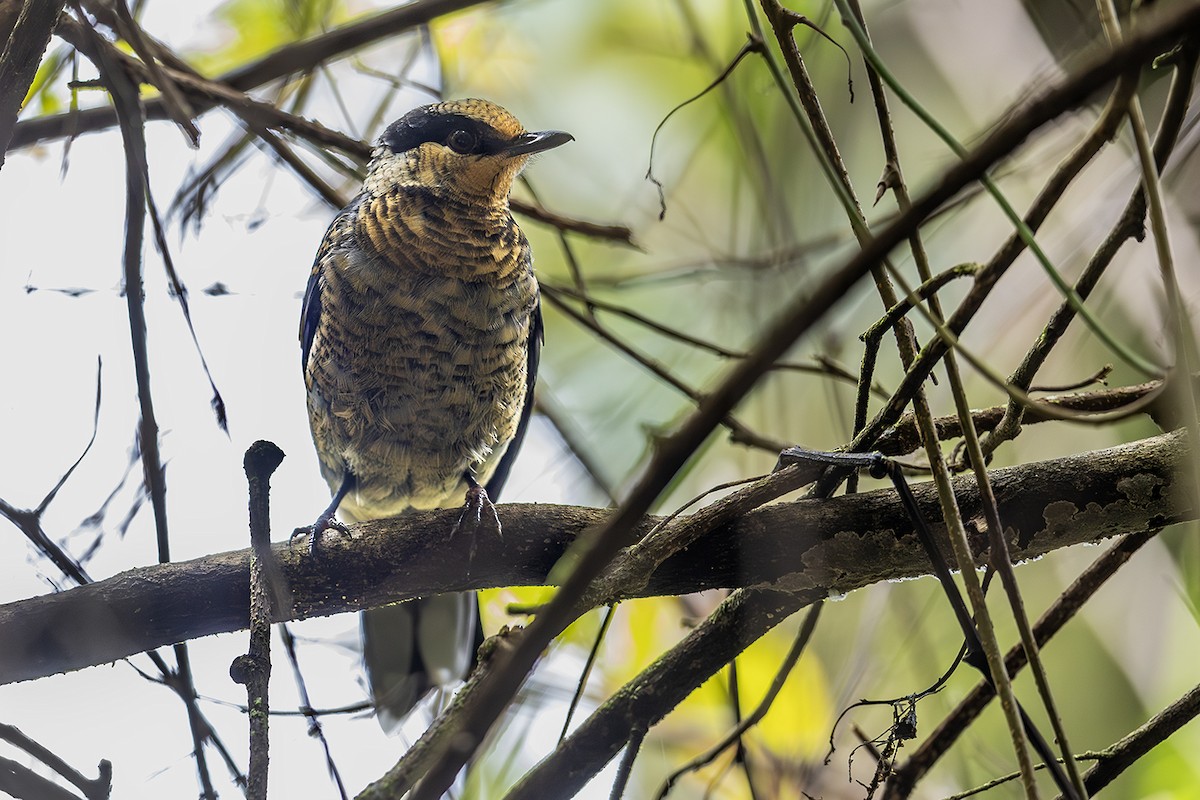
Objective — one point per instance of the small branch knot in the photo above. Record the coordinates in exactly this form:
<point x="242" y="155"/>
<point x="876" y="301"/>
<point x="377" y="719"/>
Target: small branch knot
<point x="245" y="668"/>
<point x="262" y="458"/>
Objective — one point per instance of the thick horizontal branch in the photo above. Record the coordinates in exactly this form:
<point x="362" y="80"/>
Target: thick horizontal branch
<point x="834" y="546"/>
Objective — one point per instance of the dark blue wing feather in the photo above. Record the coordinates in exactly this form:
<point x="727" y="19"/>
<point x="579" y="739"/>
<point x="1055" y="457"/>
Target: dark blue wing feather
<point x="310" y="314"/>
<point x="536" y="334"/>
<point x="339" y="235"/>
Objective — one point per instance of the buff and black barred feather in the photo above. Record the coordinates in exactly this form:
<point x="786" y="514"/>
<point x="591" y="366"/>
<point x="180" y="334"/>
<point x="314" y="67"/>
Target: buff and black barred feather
<point x="420" y="337"/>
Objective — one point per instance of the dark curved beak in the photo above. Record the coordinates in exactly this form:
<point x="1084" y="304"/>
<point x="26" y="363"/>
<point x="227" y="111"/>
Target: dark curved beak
<point x="536" y="142"/>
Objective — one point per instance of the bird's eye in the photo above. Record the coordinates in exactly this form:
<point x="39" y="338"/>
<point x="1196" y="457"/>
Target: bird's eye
<point x="461" y="141"/>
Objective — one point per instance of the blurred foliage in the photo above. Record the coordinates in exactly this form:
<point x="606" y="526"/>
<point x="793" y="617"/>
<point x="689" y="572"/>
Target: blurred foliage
<point x="44" y="87"/>
<point x="253" y="28"/>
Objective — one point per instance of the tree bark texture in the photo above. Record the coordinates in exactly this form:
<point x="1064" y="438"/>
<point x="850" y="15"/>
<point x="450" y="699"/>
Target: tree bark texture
<point x="829" y="546"/>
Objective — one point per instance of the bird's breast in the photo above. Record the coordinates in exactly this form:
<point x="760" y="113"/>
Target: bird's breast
<point x="416" y="373"/>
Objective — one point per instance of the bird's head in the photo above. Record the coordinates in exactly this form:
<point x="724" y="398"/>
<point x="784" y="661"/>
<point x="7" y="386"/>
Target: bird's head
<point x="470" y="150"/>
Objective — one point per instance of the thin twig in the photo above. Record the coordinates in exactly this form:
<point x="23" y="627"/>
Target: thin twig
<point x="625" y="768"/>
<point x="991" y="273"/>
<point x="734" y="736"/>
<point x="581" y="686"/>
<point x="298" y="58"/>
<point x="1050" y="623"/>
<point x="822" y="366"/>
<point x="22" y="783"/>
<point x="1129" y="225"/>
<point x="807" y="109"/>
<point x="739" y="431"/>
<point x="999" y="546"/>
<point x="314" y="723"/>
<point x="126" y="103"/>
<point x="98" y="788"/>
<point x="253" y="669"/>
<point x="176" y="104"/>
<point x="753" y="44"/>
<point x="741" y="619"/>
<point x="782" y="21"/>
<point x="1026" y="233"/>
<point x="29" y="521"/>
<point x="1178" y="322"/>
<point x="259" y="116"/>
<point x="998" y="561"/>
<point x="1119" y="757"/>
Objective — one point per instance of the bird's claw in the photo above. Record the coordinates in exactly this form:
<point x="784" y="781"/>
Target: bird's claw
<point x="323" y="523"/>
<point x="478" y="511"/>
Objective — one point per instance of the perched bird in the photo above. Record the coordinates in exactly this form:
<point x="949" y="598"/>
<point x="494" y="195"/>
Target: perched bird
<point x="420" y="338"/>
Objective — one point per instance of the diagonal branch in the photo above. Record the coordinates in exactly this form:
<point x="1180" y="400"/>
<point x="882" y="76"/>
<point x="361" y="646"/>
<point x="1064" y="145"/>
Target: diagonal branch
<point x="282" y="63"/>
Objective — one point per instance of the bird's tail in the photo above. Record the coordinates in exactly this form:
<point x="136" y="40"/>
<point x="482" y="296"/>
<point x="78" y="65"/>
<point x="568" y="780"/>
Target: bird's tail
<point x="413" y="647"/>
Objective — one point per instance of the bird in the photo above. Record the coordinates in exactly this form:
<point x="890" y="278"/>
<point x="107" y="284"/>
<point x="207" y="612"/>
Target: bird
<point x="420" y="336"/>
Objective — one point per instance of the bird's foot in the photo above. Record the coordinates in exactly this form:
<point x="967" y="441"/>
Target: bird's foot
<point x="327" y="521"/>
<point x="478" y="511"/>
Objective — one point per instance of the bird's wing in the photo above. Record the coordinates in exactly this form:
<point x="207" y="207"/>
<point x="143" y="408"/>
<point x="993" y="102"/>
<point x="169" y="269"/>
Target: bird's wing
<point x="310" y="313"/>
<point x="536" y="334"/>
<point x="339" y="233"/>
